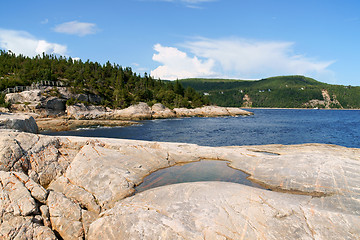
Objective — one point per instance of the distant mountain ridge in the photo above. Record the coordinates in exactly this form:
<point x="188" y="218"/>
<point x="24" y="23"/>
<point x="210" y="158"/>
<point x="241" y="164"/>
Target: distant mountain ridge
<point x="278" y="92"/>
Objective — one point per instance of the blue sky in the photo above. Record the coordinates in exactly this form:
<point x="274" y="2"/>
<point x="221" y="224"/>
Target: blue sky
<point x="169" y="39"/>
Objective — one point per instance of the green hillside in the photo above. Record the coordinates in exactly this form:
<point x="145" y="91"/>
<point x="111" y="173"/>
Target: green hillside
<point x="283" y="92"/>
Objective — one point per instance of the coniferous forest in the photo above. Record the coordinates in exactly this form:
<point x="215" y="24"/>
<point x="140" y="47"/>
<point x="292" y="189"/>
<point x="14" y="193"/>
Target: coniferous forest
<point x="118" y="87"/>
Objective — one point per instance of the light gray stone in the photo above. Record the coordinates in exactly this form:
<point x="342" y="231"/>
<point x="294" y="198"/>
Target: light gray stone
<point x="134" y="112"/>
<point x="45" y="214"/>
<point x="16" y="198"/>
<point x="210" y="111"/>
<point x="215" y="210"/>
<point x="65" y="216"/>
<point x="18" y="227"/>
<point x="25" y="96"/>
<point x="104" y="179"/>
<point x="19" y="122"/>
<point x="160" y="111"/>
<point x="315" y="187"/>
<point x="36" y="191"/>
<point x="76" y="193"/>
<point x="82" y="111"/>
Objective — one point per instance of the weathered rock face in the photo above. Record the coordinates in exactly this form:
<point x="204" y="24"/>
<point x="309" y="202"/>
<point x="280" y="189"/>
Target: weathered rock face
<point x="160" y="111"/>
<point x="65" y="216"/>
<point x="326" y="103"/>
<point x="247" y="101"/>
<point x="46" y="101"/>
<point x="19" y="219"/>
<point x="143" y="111"/>
<point x="215" y="210"/>
<point x="138" y="111"/>
<point x="81" y="187"/>
<point x="20" y="122"/>
<point x="82" y="111"/>
<point x="210" y="111"/>
<point x="25" y="96"/>
<point x="4" y="110"/>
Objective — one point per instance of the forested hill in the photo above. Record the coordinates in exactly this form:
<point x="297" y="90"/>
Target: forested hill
<point x="283" y="92"/>
<point x="118" y="87"/>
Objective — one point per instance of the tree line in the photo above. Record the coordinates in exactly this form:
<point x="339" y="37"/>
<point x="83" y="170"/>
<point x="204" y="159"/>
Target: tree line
<point x="117" y="86"/>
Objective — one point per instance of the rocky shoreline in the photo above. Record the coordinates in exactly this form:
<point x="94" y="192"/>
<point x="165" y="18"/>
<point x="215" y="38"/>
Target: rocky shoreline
<point x="65" y="124"/>
<point x="82" y="188"/>
<point x="48" y="106"/>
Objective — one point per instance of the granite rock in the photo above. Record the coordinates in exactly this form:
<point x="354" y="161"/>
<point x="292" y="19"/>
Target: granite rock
<point x="134" y="112"/>
<point x="315" y="193"/>
<point x="65" y="216"/>
<point x="210" y="111"/>
<point x="82" y="111"/>
<point x="160" y="111"/>
<point x="19" y="122"/>
<point x="25" y="96"/>
<point x="215" y="210"/>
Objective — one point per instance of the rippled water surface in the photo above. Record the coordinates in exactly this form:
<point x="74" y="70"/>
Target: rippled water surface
<point x="266" y="126"/>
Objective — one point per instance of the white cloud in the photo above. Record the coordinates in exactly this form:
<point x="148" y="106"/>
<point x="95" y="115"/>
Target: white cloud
<point x="177" y="64"/>
<point x="246" y="59"/>
<point x="21" y="42"/>
<point x="76" y="28"/>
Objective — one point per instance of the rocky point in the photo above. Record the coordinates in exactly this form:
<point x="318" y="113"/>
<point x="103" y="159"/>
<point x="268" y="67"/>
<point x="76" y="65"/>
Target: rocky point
<point x="83" y="188"/>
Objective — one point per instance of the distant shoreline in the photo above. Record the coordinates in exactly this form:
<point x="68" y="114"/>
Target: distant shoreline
<point x="347" y="109"/>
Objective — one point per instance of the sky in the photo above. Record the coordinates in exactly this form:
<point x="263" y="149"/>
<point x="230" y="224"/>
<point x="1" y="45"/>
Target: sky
<point x="175" y="39"/>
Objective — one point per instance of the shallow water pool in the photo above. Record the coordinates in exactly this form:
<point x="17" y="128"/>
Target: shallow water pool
<point x="204" y="170"/>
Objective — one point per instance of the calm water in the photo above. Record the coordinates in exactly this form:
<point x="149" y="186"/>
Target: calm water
<point x="205" y="170"/>
<point x="267" y="126"/>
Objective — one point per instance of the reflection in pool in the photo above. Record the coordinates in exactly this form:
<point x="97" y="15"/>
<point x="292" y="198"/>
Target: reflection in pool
<point x="204" y="170"/>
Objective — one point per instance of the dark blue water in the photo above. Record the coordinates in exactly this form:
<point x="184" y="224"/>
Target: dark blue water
<point x="266" y="126"/>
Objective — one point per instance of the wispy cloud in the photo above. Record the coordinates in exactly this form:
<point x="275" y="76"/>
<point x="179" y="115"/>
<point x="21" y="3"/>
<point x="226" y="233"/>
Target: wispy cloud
<point x="45" y="21"/>
<point x="239" y="58"/>
<point x="76" y="28"/>
<point x="21" y="42"/>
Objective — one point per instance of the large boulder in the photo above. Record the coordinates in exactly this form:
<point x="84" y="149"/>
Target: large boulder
<point x="139" y="111"/>
<point x="160" y="111"/>
<point x="19" y="122"/>
<point x="82" y="111"/>
<point x="55" y="104"/>
<point x="210" y="111"/>
<point x="25" y="96"/>
<point x="234" y="111"/>
<point x="65" y="216"/>
<point x="4" y="110"/>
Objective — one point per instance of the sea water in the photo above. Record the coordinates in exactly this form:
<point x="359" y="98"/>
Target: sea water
<point x="266" y="126"/>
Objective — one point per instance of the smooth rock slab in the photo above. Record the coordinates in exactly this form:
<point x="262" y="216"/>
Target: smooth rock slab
<point x="19" y="122"/>
<point x="217" y="210"/>
<point x="89" y="175"/>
